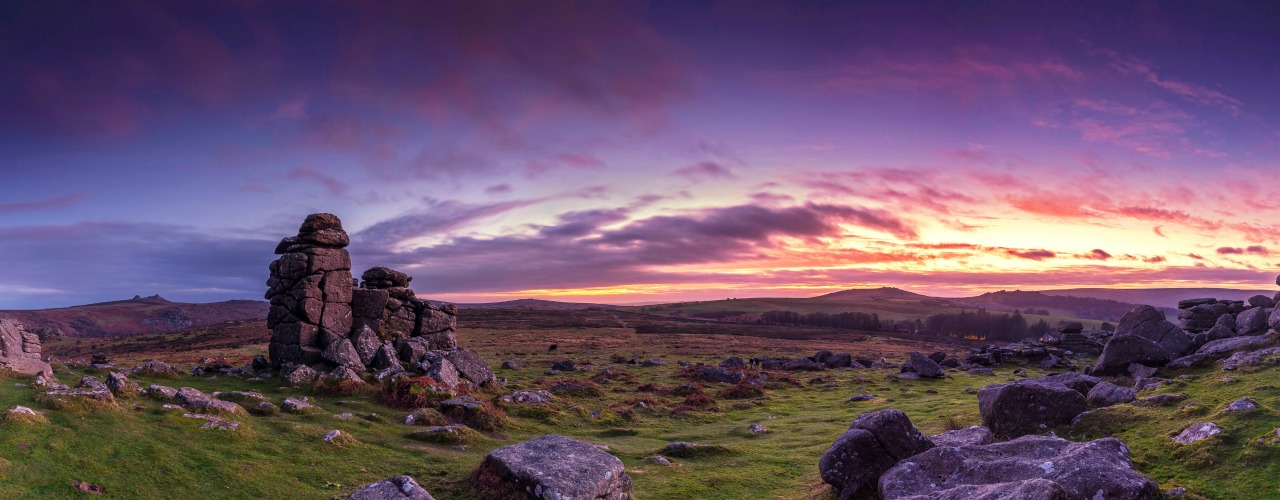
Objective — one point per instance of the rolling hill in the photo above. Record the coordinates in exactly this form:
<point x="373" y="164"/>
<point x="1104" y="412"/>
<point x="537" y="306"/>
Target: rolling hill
<point x="139" y="315"/>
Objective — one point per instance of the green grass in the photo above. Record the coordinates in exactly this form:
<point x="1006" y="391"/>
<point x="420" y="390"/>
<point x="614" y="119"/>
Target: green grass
<point x="138" y="452"/>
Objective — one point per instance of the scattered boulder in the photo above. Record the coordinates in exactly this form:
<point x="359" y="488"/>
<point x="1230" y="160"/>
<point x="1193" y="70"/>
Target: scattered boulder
<point x="1108" y="394"/>
<point x="162" y="393"/>
<point x="971" y="436"/>
<point x="528" y="397"/>
<point x="1123" y="350"/>
<point x="157" y="368"/>
<point x="295" y="405"/>
<point x="396" y="488"/>
<point x="1197" y="432"/>
<point x="552" y="466"/>
<point x="1027" y="467"/>
<point x="563" y="366"/>
<point x="1242" y="404"/>
<point x="1224" y="328"/>
<point x="338" y="438"/>
<point x="195" y="400"/>
<point x="301" y="375"/>
<point x="121" y="386"/>
<point x="922" y="366"/>
<point x="716" y="374"/>
<point x="24" y="415"/>
<point x="842" y="360"/>
<point x="1075" y="381"/>
<point x="802" y="364"/>
<point x="1027" y="407"/>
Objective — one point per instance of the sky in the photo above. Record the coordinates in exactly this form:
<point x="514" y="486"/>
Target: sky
<point x="639" y="152"/>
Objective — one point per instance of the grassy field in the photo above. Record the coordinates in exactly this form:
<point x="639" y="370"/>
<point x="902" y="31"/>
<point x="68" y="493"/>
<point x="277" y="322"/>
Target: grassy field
<point x="139" y="452"/>
<point x="888" y="309"/>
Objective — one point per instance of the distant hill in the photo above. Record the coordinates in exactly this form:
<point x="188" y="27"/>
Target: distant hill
<point x="1056" y="305"/>
<point x="1159" y="297"/>
<point x="887" y="292"/>
<point x="139" y="315"/>
<point x="536" y="304"/>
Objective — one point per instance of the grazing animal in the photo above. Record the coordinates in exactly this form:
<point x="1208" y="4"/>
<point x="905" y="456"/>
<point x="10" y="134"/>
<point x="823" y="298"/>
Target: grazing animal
<point x="553" y="347"/>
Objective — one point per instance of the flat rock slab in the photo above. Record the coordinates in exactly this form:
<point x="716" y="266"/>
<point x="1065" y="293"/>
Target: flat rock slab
<point x="553" y="466"/>
<point x="1032" y="465"/>
<point x="1197" y="432"/>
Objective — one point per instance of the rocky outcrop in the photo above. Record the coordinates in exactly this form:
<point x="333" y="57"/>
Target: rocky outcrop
<point x="971" y="436"/>
<point x="1027" y="467"/>
<point x="552" y="466"/>
<point x="320" y="319"/>
<point x="20" y="350"/>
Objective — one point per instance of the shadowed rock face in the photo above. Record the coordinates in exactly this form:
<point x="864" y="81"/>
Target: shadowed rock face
<point x="1027" y="467"/>
<point x="310" y="292"/>
<point x="552" y="466"/>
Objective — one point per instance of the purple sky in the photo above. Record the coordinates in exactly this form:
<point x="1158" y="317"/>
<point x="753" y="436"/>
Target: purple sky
<point x="639" y="152"/>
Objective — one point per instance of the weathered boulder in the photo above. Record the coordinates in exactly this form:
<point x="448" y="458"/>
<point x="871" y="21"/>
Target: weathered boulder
<point x="471" y="366"/>
<point x="874" y="442"/>
<point x="842" y="360"/>
<point x="552" y="466"/>
<point x="922" y="366"/>
<point x="1197" y="432"/>
<point x="1027" y="467"/>
<point x="366" y="343"/>
<point x="121" y="386"/>
<point x="1070" y="327"/>
<point x="1108" y="394"/>
<point x="1252" y="322"/>
<point x="1262" y="301"/>
<point x="300" y="375"/>
<point x="197" y="401"/>
<point x="342" y="353"/>
<point x="1027" y="407"/>
<point x="528" y="397"/>
<point x="295" y="405"/>
<point x="1224" y="328"/>
<point x="971" y="436"/>
<point x="396" y="488"/>
<point x="1242" y="404"/>
<point x="1123" y="350"/>
<point x="310" y="291"/>
<point x="1148" y="322"/>
<point x="1222" y="348"/>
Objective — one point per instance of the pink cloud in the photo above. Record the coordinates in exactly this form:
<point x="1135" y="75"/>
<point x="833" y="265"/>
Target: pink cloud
<point x="705" y="170"/>
<point x="334" y="185"/>
<point x="1131" y="65"/>
<point x="64" y="201"/>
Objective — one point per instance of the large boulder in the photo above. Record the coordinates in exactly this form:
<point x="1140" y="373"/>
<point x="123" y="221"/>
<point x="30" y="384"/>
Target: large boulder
<point x="1028" y="407"/>
<point x="552" y="466"/>
<point x="1150" y="323"/>
<point x="1262" y="301"/>
<point x="874" y="442"/>
<point x="1224" y="328"/>
<point x="1027" y="467"/>
<point x="1078" y="382"/>
<point x="1252" y="322"/>
<point x="396" y="488"/>
<point x="1123" y="350"/>
<point x="342" y="353"/>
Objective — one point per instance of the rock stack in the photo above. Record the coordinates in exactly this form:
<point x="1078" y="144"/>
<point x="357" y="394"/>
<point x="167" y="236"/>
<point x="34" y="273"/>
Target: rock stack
<point x="320" y="320"/>
<point x="1199" y="315"/>
<point x="20" y="350"/>
<point x="406" y="315"/>
<point x="310" y="292"/>
<point x="1072" y="338"/>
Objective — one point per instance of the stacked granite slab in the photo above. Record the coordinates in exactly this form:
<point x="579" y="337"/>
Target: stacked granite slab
<point x="310" y="290"/>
